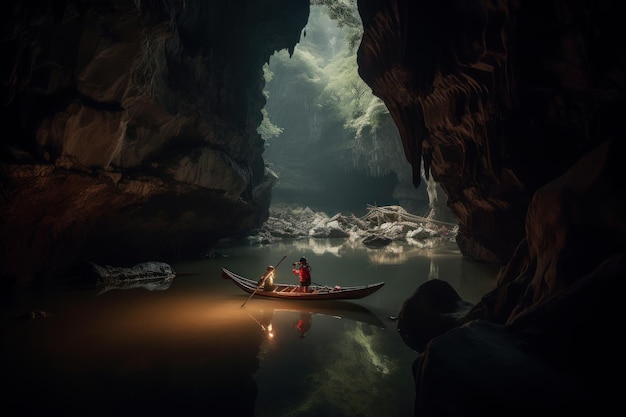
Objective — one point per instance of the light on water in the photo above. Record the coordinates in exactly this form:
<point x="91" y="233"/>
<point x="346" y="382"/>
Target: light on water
<point x="191" y="348"/>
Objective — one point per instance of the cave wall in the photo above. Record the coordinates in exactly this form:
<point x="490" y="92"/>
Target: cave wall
<point x="130" y="128"/>
<point x="516" y="109"/>
<point x="495" y="99"/>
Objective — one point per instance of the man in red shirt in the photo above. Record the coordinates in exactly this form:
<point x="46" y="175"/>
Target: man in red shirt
<point x="303" y="270"/>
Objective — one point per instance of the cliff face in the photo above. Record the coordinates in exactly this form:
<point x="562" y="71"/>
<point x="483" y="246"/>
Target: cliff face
<point x="516" y="109"/>
<point x="131" y="128"/>
<point x="495" y="99"/>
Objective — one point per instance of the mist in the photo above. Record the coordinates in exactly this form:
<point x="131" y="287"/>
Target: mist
<point x="331" y="142"/>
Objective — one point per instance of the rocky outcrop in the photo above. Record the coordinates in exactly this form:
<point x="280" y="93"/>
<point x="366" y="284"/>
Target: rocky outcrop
<point x="433" y="309"/>
<point x="540" y="342"/>
<point x="494" y="100"/>
<point x="515" y="109"/>
<point x="152" y="276"/>
<point x="133" y="128"/>
<point x="378" y="228"/>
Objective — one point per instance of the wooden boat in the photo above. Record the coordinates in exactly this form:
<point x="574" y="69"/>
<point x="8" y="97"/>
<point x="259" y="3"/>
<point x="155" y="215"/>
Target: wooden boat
<point x="291" y="291"/>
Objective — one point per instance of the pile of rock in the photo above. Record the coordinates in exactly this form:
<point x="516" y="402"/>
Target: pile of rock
<point x="378" y="228"/>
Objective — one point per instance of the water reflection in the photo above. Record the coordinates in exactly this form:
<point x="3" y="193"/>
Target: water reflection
<point x="132" y="353"/>
<point x="396" y="253"/>
<point x="327" y="364"/>
<point x="266" y="311"/>
<point x="303" y="324"/>
<point x="157" y="283"/>
<point x="433" y="272"/>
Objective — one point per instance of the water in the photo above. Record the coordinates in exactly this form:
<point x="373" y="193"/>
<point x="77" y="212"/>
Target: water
<point x="204" y="347"/>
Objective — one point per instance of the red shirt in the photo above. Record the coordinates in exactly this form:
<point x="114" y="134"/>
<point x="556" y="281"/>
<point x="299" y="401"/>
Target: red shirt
<point x="304" y="271"/>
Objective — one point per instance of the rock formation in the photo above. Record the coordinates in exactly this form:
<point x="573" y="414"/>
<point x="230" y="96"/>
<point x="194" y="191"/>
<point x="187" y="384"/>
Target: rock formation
<point x="132" y="129"/>
<point x="378" y="228"/>
<point x="515" y="108"/>
<point x="495" y="99"/>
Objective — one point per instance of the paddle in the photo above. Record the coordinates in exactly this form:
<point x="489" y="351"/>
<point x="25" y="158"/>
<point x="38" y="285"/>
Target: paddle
<point x="262" y="281"/>
<point x="257" y="322"/>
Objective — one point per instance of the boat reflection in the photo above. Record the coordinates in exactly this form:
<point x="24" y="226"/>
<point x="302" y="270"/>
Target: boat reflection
<point x="300" y="316"/>
<point x="335" y="350"/>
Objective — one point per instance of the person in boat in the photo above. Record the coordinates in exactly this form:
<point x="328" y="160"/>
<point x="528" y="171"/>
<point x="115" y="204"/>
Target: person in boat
<point x="303" y="270"/>
<point x="267" y="279"/>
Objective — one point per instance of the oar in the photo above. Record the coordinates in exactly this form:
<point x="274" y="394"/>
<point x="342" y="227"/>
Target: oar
<point x="262" y="281"/>
<point x="257" y="322"/>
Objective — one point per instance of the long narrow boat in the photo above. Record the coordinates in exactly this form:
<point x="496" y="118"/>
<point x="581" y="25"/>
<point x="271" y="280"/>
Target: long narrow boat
<point x="291" y="291"/>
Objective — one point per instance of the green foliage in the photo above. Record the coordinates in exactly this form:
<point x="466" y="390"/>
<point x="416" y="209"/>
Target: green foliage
<point x="324" y="100"/>
<point x="267" y="129"/>
<point x="344" y="95"/>
<point x="344" y="14"/>
<point x="303" y="67"/>
<point x="341" y="11"/>
<point x="374" y="117"/>
<point x="301" y="72"/>
<point x="345" y="91"/>
<point x="268" y="75"/>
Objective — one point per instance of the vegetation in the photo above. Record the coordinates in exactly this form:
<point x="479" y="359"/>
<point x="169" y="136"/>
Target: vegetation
<point x="325" y="67"/>
<point x="321" y="108"/>
<point x="267" y="129"/>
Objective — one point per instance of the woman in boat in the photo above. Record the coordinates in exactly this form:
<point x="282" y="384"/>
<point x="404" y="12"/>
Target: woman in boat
<point x="303" y="270"/>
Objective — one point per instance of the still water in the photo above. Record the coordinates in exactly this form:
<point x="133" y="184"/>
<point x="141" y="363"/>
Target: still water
<point x="201" y="346"/>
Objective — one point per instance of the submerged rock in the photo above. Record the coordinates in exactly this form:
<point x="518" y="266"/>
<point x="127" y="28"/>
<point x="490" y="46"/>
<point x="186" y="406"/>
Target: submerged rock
<point x="37" y="314"/>
<point x="149" y="275"/>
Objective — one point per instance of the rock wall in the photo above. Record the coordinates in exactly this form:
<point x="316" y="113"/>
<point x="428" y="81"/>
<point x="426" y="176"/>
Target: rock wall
<point x="495" y="99"/>
<point x="131" y="128"/>
<point x="516" y="109"/>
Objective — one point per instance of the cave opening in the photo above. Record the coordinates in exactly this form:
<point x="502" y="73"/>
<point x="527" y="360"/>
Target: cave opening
<point x="331" y="142"/>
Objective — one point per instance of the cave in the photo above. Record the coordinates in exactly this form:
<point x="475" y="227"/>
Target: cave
<point x="131" y="128"/>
